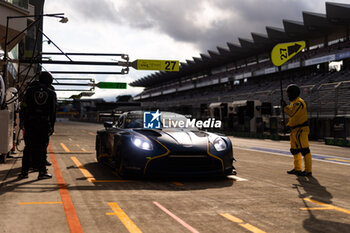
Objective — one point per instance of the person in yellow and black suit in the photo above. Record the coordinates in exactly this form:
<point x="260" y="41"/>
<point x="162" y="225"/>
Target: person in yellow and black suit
<point x="299" y="136"/>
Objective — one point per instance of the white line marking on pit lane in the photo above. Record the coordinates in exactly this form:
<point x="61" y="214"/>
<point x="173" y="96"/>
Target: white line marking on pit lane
<point x="236" y="178"/>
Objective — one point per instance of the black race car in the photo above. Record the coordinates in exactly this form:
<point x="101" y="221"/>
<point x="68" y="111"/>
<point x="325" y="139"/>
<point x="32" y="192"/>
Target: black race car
<point x="167" y="151"/>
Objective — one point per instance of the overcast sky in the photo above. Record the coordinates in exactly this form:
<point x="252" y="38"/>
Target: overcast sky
<point x="162" y="29"/>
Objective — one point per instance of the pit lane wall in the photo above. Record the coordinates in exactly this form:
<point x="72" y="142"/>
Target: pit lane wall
<point x="262" y="120"/>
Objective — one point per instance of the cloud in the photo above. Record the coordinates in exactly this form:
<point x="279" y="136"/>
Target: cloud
<point x="161" y="29"/>
<point x="203" y="23"/>
<point x="96" y="10"/>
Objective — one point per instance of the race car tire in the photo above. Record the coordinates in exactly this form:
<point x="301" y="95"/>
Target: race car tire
<point x="98" y="149"/>
<point x="118" y="165"/>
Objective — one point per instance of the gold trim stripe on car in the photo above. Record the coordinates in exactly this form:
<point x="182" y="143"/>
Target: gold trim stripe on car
<point x="216" y="157"/>
<point x="156" y="157"/>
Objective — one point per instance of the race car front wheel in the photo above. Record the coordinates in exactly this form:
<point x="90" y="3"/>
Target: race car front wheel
<point x="98" y="149"/>
<point x="119" y="164"/>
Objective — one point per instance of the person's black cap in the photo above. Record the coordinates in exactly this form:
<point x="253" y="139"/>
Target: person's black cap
<point x="293" y="91"/>
<point x="45" y="77"/>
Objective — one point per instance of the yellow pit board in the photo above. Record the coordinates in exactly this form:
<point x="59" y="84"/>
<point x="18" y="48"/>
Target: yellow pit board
<point x="285" y="51"/>
<point x="164" y="65"/>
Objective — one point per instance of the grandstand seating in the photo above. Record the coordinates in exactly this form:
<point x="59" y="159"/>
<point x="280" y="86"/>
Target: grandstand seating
<point x="246" y="72"/>
<point x="327" y="94"/>
<point x="268" y="83"/>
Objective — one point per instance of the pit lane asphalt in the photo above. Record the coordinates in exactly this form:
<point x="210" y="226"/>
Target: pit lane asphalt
<point x="265" y="200"/>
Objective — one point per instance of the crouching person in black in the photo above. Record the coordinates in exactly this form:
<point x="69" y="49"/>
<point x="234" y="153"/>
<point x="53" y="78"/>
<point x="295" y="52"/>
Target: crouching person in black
<point x="38" y="116"/>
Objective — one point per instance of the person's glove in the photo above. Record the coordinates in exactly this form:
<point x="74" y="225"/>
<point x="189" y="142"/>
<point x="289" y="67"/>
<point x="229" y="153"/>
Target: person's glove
<point x="51" y="130"/>
<point x="283" y="103"/>
<point x="286" y="129"/>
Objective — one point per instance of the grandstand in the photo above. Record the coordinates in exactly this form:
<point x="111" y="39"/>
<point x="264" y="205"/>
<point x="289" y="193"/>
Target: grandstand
<point x="244" y="71"/>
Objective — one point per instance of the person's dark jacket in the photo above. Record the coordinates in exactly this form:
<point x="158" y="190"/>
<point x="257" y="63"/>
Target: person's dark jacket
<point x="39" y="105"/>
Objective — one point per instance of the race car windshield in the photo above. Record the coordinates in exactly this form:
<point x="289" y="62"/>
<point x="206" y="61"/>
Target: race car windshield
<point x="133" y="121"/>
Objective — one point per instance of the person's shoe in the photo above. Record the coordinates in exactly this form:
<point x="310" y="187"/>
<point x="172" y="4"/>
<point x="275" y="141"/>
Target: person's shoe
<point x="47" y="163"/>
<point x="44" y="176"/>
<point x="304" y="173"/>
<point x="23" y="175"/>
<point x="294" y="172"/>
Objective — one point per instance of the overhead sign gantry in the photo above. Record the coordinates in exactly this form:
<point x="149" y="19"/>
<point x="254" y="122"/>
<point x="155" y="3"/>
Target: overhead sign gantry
<point x="91" y="83"/>
<point x="139" y="64"/>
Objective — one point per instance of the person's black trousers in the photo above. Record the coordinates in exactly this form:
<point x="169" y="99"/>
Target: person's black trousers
<point x="36" y="139"/>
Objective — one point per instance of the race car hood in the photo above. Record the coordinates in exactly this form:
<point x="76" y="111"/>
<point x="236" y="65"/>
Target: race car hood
<point x="186" y="138"/>
<point x="180" y="140"/>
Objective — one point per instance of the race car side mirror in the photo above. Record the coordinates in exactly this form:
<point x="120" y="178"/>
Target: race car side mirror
<point x="108" y="124"/>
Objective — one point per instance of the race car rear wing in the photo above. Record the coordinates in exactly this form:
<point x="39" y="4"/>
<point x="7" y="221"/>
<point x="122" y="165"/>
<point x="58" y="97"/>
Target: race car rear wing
<point x="114" y="115"/>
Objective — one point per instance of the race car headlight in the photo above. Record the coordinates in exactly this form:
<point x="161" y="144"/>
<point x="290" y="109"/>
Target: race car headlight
<point x="218" y="143"/>
<point x="142" y="143"/>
